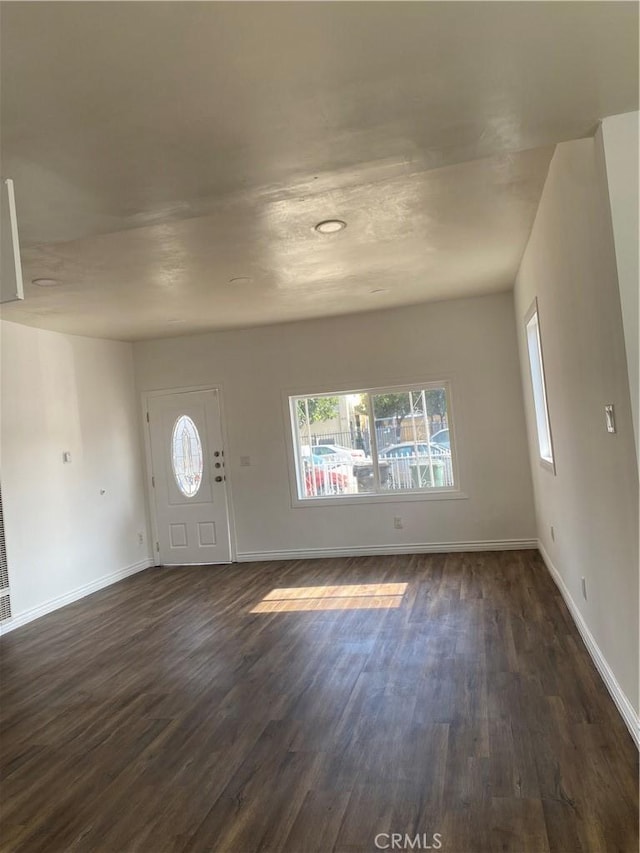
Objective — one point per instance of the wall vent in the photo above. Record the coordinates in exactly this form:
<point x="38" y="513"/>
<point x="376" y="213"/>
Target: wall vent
<point x="5" y="601"/>
<point x="5" y="607"/>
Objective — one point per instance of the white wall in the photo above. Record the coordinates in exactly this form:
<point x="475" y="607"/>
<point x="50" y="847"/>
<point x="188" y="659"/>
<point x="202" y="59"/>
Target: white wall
<point x="471" y="341"/>
<point x="592" y="501"/>
<point x="63" y="393"/>
<point x="619" y="138"/>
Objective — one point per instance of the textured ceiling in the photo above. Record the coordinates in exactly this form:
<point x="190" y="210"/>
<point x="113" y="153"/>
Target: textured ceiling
<point x="161" y="149"/>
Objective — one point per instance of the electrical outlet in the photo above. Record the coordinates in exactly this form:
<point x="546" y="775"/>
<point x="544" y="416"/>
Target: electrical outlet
<point x="397" y="523"/>
<point x="140" y="538"/>
<point x="584" y="588"/>
<point x="553" y="534"/>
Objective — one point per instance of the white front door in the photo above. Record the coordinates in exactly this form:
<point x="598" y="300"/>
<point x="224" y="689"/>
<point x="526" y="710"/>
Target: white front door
<point x="188" y="478"/>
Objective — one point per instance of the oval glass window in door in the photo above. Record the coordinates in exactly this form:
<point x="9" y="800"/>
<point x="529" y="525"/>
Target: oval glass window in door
<point x="186" y="456"/>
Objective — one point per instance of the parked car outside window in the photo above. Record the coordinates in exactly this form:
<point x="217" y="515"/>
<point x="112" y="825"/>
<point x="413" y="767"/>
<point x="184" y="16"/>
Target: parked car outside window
<point x="327" y="475"/>
<point x="409" y="448"/>
<point x="320" y="481"/>
<point x="441" y="437"/>
<point x="334" y="452"/>
<point x="416" y="465"/>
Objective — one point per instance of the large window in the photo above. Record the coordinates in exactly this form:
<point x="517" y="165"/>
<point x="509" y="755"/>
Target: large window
<point x="536" y="368"/>
<point x="378" y="442"/>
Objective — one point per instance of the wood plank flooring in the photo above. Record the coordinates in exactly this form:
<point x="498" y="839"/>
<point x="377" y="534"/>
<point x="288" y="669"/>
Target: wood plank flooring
<point x="162" y="714"/>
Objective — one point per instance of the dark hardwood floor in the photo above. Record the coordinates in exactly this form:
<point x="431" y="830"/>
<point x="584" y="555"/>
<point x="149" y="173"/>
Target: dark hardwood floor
<point x="161" y="714"/>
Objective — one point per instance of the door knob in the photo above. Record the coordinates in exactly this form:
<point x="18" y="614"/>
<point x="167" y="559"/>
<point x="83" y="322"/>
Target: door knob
<point x="218" y="479"/>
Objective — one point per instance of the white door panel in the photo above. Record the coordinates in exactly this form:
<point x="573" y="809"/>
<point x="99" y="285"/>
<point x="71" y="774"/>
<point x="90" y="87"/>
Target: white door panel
<point x="189" y="491"/>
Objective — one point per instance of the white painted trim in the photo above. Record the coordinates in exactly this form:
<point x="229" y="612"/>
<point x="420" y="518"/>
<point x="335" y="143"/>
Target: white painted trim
<point x="69" y="597"/>
<point x="13" y="267"/>
<point x="624" y="706"/>
<point x="292" y="441"/>
<point x="404" y="496"/>
<point x="380" y="550"/>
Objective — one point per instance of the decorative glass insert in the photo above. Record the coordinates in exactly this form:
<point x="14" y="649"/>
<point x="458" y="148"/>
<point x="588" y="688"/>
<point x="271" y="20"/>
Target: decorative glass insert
<point x="186" y="456"/>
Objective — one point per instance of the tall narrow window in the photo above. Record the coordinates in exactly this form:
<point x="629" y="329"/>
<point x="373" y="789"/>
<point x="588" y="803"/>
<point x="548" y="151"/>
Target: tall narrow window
<point x="536" y="367"/>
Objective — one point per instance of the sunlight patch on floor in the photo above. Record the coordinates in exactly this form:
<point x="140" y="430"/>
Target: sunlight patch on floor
<point x="373" y="596"/>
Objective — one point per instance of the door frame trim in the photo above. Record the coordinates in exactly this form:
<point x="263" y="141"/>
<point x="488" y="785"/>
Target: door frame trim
<point x="145" y="396"/>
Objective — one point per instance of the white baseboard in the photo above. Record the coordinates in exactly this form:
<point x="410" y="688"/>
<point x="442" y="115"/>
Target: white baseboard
<point x="624" y="706"/>
<point x="80" y="592"/>
<point x="380" y="550"/>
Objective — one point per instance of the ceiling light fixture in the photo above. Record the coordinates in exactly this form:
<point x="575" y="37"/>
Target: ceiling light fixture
<point x="330" y="226"/>
<point x="45" y="282"/>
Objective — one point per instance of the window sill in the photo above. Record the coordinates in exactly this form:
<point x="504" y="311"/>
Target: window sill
<point x="402" y="497"/>
<point x="547" y="465"/>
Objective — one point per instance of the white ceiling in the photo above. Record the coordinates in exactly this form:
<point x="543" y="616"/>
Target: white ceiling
<point x="161" y="149"/>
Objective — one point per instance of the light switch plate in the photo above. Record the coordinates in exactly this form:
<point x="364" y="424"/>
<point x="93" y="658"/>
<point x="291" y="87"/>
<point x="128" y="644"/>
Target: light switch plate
<point x="610" y="417"/>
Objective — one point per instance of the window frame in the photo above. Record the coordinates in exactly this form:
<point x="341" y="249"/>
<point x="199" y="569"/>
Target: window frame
<point x="293" y="442"/>
<point x="546" y="462"/>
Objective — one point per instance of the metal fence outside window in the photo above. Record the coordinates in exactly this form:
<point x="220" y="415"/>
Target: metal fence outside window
<point x="412" y="472"/>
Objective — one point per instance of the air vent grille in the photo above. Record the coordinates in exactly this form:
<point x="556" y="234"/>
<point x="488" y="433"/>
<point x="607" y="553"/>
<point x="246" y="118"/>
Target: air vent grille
<point x="5" y="602"/>
<point x="5" y="607"/>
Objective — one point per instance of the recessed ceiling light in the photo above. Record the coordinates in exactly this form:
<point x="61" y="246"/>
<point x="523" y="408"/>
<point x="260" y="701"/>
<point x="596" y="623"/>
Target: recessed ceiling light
<point x="330" y="226"/>
<point x="45" y="282"/>
<point x="240" y="279"/>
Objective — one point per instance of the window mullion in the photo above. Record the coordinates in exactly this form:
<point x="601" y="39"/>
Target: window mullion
<point x="373" y="440"/>
<point x="427" y="435"/>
